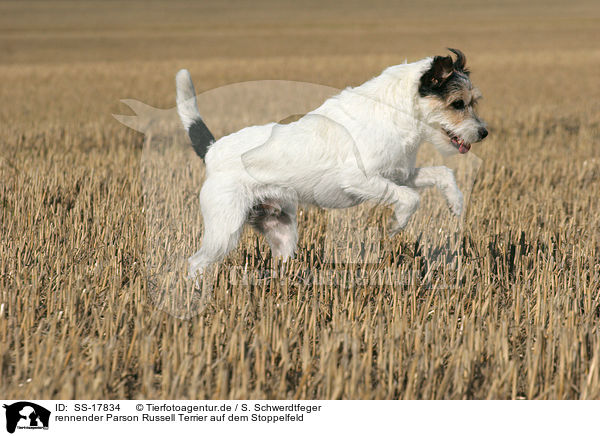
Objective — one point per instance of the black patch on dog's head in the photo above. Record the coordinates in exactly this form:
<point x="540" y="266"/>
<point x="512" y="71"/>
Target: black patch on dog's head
<point x="444" y="75"/>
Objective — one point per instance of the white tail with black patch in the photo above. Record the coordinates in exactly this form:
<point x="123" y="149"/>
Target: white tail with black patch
<point x="187" y="107"/>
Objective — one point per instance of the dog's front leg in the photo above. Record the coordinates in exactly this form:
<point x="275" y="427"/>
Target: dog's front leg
<point x="443" y="178"/>
<point x="403" y="199"/>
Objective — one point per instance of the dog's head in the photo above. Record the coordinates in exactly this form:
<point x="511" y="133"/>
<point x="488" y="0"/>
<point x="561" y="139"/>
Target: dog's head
<point x="448" y="99"/>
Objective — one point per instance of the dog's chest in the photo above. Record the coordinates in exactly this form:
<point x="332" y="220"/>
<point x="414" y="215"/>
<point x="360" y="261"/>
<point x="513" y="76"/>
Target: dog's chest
<point x="395" y="163"/>
<point x="398" y="175"/>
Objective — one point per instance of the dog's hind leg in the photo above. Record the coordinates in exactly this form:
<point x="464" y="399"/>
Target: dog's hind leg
<point x="224" y="211"/>
<point x="279" y="226"/>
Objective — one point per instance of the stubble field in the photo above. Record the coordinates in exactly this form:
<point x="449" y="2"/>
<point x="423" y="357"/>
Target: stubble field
<point x="517" y="315"/>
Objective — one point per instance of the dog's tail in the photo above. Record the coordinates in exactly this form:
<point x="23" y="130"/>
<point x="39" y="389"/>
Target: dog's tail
<point x="187" y="107"/>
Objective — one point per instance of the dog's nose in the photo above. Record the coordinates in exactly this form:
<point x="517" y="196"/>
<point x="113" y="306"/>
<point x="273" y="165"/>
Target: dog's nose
<point x="482" y="133"/>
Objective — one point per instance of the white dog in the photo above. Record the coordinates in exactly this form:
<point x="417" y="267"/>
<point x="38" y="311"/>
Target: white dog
<point x="357" y="146"/>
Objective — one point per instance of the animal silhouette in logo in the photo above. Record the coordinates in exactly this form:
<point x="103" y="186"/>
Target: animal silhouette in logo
<point x="26" y="414"/>
<point x="167" y="166"/>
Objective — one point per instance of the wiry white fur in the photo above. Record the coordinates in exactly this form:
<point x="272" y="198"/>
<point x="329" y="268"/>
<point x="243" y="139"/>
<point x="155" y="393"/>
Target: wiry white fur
<point x="358" y="145"/>
<point x="187" y="107"/>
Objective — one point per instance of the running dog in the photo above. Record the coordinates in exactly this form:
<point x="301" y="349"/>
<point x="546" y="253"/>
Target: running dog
<point x="360" y="145"/>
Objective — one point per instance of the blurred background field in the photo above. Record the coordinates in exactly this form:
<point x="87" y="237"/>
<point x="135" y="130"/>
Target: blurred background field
<point x="75" y="319"/>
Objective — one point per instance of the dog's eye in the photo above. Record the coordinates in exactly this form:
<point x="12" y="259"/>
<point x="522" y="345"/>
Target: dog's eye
<point x="458" y="105"/>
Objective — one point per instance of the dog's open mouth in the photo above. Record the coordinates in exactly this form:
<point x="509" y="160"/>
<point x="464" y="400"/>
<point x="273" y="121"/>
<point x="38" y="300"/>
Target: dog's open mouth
<point x="462" y="145"/>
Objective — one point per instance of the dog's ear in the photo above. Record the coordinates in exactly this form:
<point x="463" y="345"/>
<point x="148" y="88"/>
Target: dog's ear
<point x="441" y="68"/>
<point x="461" y="60"/>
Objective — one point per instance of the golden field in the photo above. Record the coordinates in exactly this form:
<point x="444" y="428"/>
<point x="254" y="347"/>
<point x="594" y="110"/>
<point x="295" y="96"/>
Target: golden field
<point x="518" y="318"/>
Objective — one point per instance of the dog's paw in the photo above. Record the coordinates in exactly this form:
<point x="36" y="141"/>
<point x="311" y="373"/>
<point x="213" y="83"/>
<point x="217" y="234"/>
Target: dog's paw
<point x="394" y="227"/>
<point x="195" y="273"/>
<point x="455" y="201"/>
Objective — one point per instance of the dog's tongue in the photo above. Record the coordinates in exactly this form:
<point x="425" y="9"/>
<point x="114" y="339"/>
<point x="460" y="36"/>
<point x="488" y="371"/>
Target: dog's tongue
<point x="464" y="147"/>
